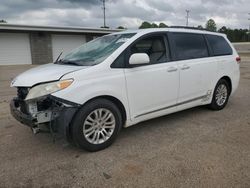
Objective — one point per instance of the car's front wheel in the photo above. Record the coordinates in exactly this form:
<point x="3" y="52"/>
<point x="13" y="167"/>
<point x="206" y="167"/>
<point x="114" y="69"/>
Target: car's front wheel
<point x="96" y="125"/>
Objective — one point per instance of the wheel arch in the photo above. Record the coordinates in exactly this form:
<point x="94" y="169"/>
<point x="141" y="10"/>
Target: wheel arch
<point x="229" y="81"/>
<point x="113" y="99"/>
<point x="116" y="101"/>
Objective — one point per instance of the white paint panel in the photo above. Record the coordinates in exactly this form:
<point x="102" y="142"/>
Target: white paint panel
<point x="14" y="49"/>
<point x="66" y="43"/>
<point x="152" y="87"/>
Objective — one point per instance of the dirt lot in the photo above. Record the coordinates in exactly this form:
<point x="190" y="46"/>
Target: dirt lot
<point x="193" y="148"/>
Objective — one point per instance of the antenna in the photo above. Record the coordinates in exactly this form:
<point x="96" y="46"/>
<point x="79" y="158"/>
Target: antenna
<point x="187" y="17"/>
<point x="104" y="13"/>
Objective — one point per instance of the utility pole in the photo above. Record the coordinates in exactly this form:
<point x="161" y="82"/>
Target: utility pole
<point x="187" y="17"/>
<point x="249" y="29"/>
<point x="104" y="13"/>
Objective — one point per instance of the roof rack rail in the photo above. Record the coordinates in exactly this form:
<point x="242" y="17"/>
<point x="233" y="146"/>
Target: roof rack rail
<point x="187" y="27"/>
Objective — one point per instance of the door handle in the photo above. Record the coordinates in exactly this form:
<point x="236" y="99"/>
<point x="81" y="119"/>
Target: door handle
<point x="172" y="69"/>
<point x="185" y="67"/>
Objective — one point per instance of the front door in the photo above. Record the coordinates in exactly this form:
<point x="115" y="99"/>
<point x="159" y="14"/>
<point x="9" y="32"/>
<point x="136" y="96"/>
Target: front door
<point x="152" y="87"/>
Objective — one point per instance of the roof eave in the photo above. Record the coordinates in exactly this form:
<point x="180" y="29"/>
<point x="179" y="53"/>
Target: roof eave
<point x="16" y="27"/>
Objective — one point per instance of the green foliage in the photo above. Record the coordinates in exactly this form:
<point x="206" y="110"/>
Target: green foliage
<point x="200" y="27"/>
<point x="162" y="25"/>
<point x="154" y="25"/>
<point x="223" y="29"/>
<point x="145" y="25"/>
<point x="120" y="27"/>
<point x="3" y="21"/>
<point x="235" y="35"/>
<point x="211" y="25"/>
<point x="151" y="25"/>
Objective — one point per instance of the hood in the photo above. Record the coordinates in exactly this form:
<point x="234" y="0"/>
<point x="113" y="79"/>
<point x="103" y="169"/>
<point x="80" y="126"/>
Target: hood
<point x="43" y="73"/>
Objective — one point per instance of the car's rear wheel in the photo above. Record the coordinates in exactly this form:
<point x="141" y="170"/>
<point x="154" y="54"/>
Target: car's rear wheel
<point x="220" y="96"/>
<point x="96" y="125"/>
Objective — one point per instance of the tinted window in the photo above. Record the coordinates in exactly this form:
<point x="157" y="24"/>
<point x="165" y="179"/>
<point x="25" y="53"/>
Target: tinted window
<point x="154" y="46"/>
<point x="219" y="45"/>
<point x="190" y="46"/>
<point x="119" y="62"/>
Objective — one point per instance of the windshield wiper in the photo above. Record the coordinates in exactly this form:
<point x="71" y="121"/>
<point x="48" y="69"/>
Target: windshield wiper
<point x="58" y="57"/>
<point x="66" y="62"/>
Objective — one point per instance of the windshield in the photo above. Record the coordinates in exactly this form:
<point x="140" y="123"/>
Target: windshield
<point x="95" y="51"/>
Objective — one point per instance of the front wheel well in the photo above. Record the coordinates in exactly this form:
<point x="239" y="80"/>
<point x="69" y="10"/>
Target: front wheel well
<point x="228" y="81"/>
<point x="117" y="102"/>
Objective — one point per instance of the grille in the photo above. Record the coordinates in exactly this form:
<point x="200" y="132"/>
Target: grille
<point x="22" y="92"/>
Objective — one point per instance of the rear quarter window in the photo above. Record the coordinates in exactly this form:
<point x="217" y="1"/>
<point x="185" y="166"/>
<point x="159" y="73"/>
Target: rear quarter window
<point x="189" y="46"/>
<point x="219" y="45"/>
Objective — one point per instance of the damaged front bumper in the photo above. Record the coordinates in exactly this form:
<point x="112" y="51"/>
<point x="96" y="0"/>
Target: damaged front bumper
<point x="51" y="112"/>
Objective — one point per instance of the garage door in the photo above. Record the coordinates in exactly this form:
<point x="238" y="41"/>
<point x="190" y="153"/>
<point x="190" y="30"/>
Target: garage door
<point x="66" y="43"/>
<point x="14" y="49"/>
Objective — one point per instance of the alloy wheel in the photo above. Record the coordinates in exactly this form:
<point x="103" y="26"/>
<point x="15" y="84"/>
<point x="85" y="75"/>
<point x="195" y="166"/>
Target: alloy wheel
<point x="99" y="126"/>
<point x="221" y="95"/>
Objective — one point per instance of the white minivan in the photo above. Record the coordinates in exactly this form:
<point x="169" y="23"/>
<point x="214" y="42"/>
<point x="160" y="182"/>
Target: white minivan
<point x="125" y="78"/>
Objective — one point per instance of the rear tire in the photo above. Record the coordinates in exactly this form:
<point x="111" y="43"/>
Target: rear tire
<point x="220" y="96"/>
<point x="96" y="125"/>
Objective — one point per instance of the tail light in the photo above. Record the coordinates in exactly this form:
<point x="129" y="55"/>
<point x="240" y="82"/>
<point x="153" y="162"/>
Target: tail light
<point x="238" y="59"/>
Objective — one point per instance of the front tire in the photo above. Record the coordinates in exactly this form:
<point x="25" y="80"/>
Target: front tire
<point x="220" y="96"/>
<point x="96" y="125"/>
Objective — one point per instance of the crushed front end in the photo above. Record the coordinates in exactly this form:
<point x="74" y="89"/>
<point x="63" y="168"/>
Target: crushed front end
<point x="49" y="112"/>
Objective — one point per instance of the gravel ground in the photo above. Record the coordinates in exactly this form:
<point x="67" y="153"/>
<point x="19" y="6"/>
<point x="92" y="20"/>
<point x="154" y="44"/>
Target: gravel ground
<point x="192" y="148"/>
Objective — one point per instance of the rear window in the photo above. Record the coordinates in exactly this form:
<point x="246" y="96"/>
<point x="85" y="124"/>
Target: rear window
<point x="219" y="45"/>
<point x="190" y="46"/>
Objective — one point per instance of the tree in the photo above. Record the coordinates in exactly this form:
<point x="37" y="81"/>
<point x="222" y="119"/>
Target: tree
<point x="145" y="25"/>
<point x="120" y="27"/>
<point x="235" y="35"/>
<point x="162" y="25"/>
<point x="223" y="29"/>
<point x="154" y="25"/>
<point x="200" y="27"/>
<point x="211" y="25"/>
<point x="3" y="21"/>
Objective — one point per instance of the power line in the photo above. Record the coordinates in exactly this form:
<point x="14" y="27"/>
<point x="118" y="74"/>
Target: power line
<point x="187" y="17"/>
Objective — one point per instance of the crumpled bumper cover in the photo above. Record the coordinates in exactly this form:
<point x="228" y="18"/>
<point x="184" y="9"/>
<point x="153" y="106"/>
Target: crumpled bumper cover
<point x="61" y="123"/>
<point x="20" y="116"/>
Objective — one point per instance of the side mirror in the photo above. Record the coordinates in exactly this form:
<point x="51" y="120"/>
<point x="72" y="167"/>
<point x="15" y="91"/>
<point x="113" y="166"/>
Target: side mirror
<point x="139" y="58"/>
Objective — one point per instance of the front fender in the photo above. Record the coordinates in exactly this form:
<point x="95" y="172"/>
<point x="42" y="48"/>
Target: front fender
<point x="82" y="91"/>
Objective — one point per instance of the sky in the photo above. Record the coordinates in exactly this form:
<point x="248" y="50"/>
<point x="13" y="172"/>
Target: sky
<point x="127" y="13"/>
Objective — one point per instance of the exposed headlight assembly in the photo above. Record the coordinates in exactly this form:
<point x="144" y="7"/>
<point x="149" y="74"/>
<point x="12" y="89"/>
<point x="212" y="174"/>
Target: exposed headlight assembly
<point x="48" y="88"/>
